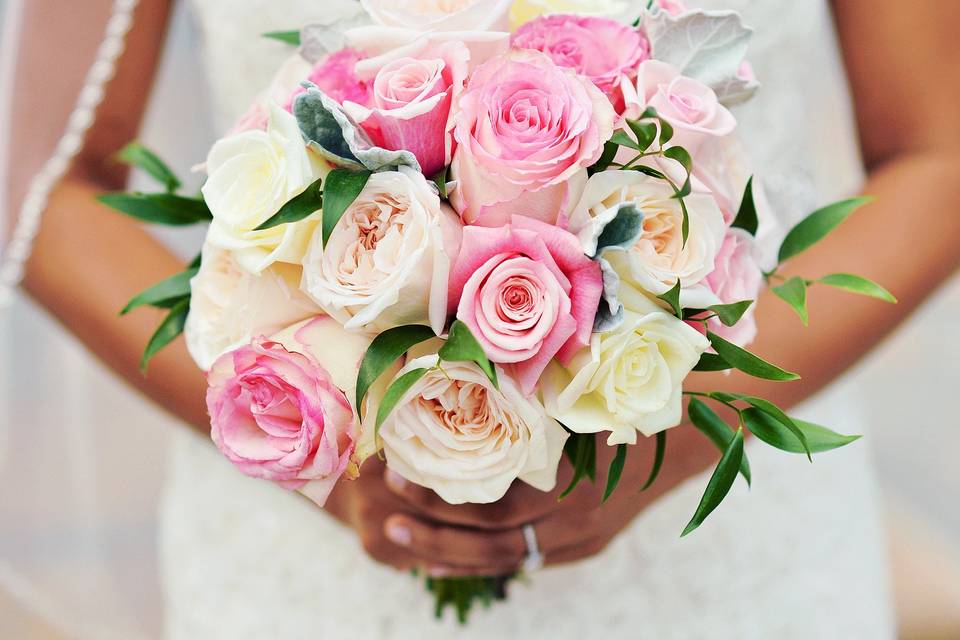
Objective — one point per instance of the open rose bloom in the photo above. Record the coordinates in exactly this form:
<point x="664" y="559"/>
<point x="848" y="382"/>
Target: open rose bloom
<point x="464" y="249"/>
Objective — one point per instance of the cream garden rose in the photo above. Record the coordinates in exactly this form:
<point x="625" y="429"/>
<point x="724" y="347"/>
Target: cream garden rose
<point x="659" y="257"/>
<point x="629" y="379"/>
<point x="229" y="306"/>
<point x="388" y="259"/>
<point x="251" y="175"/>
<point x="456" y="434"/>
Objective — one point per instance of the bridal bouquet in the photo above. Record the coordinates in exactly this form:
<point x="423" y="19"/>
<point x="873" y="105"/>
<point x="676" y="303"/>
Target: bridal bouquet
<point x="470" y="250"/>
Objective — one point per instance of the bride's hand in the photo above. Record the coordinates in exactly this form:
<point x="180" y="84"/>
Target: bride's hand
<point x="407" y="526"/>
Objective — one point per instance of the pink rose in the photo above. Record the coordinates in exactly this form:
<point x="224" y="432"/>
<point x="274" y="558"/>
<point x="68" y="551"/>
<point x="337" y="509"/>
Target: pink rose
<point x="601" y="49"/>
<point x="411" y="103"/>
<point x="690" y="106"/>
<point x="526" y="130"/>
<point x="736" y="277"/>
<point x="527" y="292"/>
<point x="335" y="75"/>
<point x="673" y="7"/>
<point x="276" y="414"/>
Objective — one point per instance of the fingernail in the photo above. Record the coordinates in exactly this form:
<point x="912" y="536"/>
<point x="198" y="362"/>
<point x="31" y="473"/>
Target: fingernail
<point x="394" y="479"/>
<point x="398" y="533"/>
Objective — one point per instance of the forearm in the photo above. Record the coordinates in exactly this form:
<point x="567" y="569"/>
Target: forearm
<point x="87" y="262"/>
<point x="905" y="240"/>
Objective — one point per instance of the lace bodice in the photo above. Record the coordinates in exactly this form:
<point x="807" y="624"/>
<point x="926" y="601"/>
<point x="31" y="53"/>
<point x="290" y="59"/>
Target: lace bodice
<point x="799" y="556"/>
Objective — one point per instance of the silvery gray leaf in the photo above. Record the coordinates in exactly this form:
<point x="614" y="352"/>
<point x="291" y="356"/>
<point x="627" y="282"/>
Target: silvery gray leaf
<point x="318" y="40"/>
<point x="334" y="135"/>
<point x="706" y="45"/>
<point x="623" y="230"/>
<point x="737" y="90"/>
<point x="610" y="314"/>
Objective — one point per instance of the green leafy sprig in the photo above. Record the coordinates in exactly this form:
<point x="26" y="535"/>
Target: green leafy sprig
<point x="651" y="135"/>
<point x="388" y="347"/>
<point x="341" y="187"/>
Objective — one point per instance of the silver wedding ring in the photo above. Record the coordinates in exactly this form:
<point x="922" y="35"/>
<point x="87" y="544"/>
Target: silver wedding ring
<point x="534" y="559"/>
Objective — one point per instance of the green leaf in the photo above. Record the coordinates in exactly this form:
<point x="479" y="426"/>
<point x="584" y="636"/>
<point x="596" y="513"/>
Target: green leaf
<point x="711" y="362"/>
<point x="440" y="179"/>
<point x="394" y="394"/>
<point x="683" y="157"/>
<point x="730" y="314"/>
<point x="657" y="460"/>
<point x="385" y="349"/>
<point x="666" y="132"/>
<point x="165" y="293"/>
<point x="685" y="225"/>
<point x="288" y="37"/>
<point x="196" y="262"/>
<point x="159" y="208"/>
<point x="747" y="362"/>
<point x="646" y="133"/>
<point x="610" y="149"/>
<point x="720" y="482"/>
<point x="857" y="284"/>
<point x="719" y="432"/>
<point x="672" y="298"/>
<point x="778" y="414"/>
<point x="461" y="346"/>
<point x="621" y="138"/>
<point x="169" y="329"/>
<point x="774" y="433"/>
<point x="137" y="155"/>
<point x="794" y="293"/>
<point x="581" y="450"/>
<point x="649" y="171"/>
<point x="615" y="471"/>
<point x="649" y="112"/>
<point x="343" y="187"/>
<point x="747" y="214"/>
<point x="817" y="225"/>
<point x="299" y="207"/>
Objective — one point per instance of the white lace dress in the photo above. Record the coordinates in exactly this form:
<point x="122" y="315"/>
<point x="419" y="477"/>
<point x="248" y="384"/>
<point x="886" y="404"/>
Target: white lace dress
<point x="802" y="555"/>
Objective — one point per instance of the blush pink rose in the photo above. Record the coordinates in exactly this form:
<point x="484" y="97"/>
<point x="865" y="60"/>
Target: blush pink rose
<point x="690" y="106"/>
<point x="336" y="76"/>
<point x="601" y="49"/>
<point x="526" y="131"/>
<point x="673" y="7"/>
<point x="276" y="414"/>
<point x="736" y="277"/>
<point x="411" y="103"/>
<point x="527" y="292"/>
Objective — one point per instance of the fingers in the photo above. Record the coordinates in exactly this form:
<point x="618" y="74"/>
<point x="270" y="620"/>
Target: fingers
<point x="456" y="546"/>
<point x="521" y="505"/>
<point x="558" y="538"/>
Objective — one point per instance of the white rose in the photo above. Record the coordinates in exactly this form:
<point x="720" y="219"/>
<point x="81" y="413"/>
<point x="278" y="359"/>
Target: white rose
<point x="388" y="259"/>
<point x="658" y="258"/>
<point x="630" y="379"/>
<point x="251" y="176"/>
<point x="440" y="15"/>
<point x="229" y="306"/>
<point x="454" y="433"/>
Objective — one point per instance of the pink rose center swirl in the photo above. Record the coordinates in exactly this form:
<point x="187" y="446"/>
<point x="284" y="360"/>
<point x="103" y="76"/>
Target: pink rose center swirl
<point x="689" y="106"/>
<point x="516" y="307"/>
<point x="408" y="80"/>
